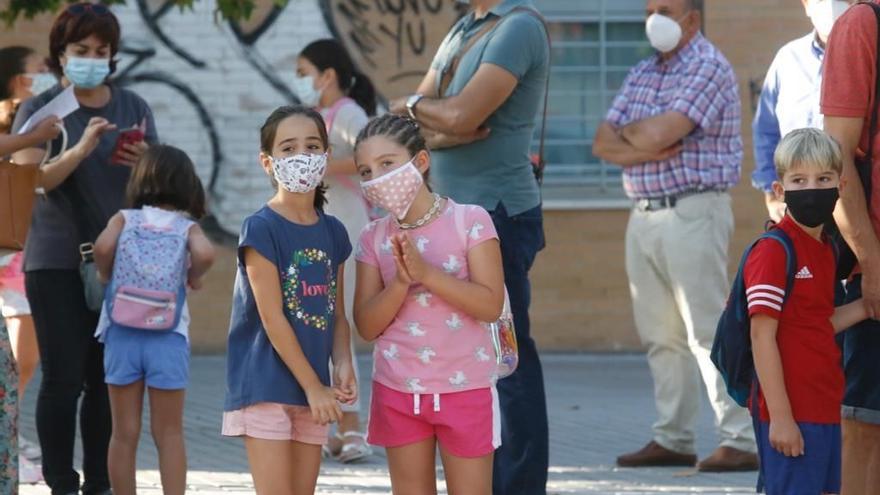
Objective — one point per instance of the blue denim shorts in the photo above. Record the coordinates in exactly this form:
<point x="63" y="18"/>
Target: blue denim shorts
<point x="161" y="359"/>
<point x="817" y="471"/>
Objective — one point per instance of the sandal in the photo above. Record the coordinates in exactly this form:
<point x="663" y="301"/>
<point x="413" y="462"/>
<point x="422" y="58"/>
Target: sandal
<point x="333" y="447"/>
<point x="355" y="448"/>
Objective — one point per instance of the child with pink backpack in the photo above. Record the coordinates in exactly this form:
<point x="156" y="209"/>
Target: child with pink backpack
<point x="428" y="275"/>
<point x="150" y="254"/>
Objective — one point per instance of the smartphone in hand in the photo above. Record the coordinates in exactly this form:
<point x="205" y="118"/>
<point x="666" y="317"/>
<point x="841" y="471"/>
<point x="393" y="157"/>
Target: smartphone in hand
<point x="131" y="135"/>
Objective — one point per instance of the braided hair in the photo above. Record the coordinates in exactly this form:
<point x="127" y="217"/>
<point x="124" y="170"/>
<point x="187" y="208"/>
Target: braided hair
<point x="401" y="130"/>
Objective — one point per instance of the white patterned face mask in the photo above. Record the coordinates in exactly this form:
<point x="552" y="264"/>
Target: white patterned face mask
<point x="301" y="173"/>
<point x="396" y="190"/>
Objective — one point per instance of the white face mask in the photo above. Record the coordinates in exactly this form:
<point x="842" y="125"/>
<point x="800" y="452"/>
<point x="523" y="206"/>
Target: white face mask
<point x="824" y="13"/>
<point x="663" y="32"/>
<point x="300" y="173"/>
<point x="304" y="89"/>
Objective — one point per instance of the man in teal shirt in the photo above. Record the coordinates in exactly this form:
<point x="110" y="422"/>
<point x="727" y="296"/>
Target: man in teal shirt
<point x="478" y="104"/>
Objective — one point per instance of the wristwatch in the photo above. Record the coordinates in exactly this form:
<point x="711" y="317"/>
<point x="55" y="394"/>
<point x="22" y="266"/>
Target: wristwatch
<point x="411" y="103"/>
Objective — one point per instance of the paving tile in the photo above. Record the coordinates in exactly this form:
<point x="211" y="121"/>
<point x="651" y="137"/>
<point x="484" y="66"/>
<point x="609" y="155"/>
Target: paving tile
<point x="600" y="406"/>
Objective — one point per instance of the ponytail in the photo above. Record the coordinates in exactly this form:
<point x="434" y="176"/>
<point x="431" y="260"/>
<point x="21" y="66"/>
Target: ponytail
<point x="363" y="92"/>
<point x="330" y="54"/>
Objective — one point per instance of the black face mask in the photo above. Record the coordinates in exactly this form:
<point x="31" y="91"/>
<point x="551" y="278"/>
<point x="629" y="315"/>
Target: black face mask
<point x="812" y="207"/>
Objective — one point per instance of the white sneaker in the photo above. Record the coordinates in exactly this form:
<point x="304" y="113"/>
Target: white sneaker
<point x="29" y="472"/>
<point x="29" y="449"/>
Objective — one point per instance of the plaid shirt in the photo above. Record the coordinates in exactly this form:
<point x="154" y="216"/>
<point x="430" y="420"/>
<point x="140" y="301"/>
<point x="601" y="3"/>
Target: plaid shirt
<point x="699" y="83"/>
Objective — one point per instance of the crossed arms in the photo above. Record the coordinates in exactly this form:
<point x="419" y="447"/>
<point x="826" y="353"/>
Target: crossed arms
<point x="649" y="140"/>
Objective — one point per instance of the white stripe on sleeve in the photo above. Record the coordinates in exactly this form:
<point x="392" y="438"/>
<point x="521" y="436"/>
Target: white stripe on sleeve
<point x="765" y="295"/>
<point x="773" y="288"/>
<point x="765" y="303"/>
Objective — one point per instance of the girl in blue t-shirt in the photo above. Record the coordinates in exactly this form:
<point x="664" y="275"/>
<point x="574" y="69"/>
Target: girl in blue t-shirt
<point x="284" y="327"/>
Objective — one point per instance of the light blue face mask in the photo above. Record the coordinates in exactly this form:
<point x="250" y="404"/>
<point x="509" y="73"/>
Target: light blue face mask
<point x="87" y="73"/>
<point x="41" y="81"/>
<point x="304" y="89"/>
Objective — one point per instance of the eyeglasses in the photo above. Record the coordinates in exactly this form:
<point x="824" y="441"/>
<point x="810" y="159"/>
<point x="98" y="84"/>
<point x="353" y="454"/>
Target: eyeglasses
<point x="82" y="8"/>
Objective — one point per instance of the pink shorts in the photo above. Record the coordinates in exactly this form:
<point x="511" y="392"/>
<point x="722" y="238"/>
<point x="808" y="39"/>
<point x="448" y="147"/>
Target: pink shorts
<point x="273" y="421"/>
<point x="467" y="424"/>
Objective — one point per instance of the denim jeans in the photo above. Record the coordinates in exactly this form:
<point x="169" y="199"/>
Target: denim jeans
<point x="73" y="368"/>
<point x="522" y="460"/>
<point x="861" y="345"/>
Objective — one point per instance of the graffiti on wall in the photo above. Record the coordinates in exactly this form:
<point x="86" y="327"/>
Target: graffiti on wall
<point x="210" y="83"/>
<point x="392" y="41"/>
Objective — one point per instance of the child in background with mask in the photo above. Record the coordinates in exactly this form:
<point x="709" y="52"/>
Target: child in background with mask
<point x="796" y="358"/>
<point x="288" y="314"/>
<point x="427" y="275"/>
<point x="327" y="80"/>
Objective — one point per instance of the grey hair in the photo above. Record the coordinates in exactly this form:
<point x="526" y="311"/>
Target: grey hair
<point x="695" y="5"/>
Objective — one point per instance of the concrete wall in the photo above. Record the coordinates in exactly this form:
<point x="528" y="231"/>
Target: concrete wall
<point x="238" y="73"/>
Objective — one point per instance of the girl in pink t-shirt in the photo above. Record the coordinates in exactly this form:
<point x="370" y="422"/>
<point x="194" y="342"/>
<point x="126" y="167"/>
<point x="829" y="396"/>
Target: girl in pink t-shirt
<point x="428" y="274"/>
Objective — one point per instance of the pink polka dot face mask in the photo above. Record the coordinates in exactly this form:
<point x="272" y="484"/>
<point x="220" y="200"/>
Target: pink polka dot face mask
<point x="396" y="190"/>
<point x="300" y="173"/>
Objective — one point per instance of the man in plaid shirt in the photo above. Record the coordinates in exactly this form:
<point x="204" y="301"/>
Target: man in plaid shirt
<point x="675" y="129"/>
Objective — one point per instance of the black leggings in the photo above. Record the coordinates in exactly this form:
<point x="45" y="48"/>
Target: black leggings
<point x="72" y="362"/>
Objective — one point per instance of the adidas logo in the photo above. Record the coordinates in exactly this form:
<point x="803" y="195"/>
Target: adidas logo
<point x="804" y="273"/>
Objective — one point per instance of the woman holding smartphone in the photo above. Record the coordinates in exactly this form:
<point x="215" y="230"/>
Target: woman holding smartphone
<point x="83" y="190"/>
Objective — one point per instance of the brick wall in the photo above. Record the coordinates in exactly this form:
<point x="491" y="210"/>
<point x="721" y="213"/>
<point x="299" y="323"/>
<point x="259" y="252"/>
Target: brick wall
<point x="580" y="293"/>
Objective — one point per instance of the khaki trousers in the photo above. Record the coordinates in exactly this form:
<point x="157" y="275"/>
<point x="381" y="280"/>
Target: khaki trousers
<point x="676" y="260"/>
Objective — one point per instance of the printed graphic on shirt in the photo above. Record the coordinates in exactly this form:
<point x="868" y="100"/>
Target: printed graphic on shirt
<point x="414" y="385"/>
<point x="431" y="346"/>
<point x="415" y="329"/>
<point x="803" y="273"/>
<point x="425" y="354"/>
<point x="481" y="355"/>
<point x="391" y="353"/>
<point x="309" y="288"/>
<point x="458" y="379"/>
<point x="424" y="299"/>
<point x="475" y="231"/>
<point x="386" y="246"/>
<point x="452" y="265"/>
<point x="422" y="244"/>
<point x="454" y="322"/>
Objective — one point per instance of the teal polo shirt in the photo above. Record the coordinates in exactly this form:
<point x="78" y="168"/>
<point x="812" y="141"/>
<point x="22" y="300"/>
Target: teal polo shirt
<point x="496" y="169"/>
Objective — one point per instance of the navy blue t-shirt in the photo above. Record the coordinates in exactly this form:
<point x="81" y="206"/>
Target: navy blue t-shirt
<point x="308" y="258"/>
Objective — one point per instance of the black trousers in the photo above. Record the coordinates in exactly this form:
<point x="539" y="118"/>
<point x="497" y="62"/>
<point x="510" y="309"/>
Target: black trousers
<point x="522" y="460"/>
<point x="72" y="362"/>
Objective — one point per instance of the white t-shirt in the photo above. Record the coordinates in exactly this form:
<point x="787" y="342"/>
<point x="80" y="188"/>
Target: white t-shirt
<point x="344" y="198"/>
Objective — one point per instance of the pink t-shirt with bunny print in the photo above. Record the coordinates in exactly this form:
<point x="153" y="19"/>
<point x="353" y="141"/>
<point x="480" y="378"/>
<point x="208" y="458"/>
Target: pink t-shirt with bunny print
<point x="430" y="346"/>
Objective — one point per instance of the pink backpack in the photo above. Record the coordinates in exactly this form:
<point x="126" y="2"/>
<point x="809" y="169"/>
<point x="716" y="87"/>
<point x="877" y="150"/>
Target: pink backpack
<point x="148" y="286"/>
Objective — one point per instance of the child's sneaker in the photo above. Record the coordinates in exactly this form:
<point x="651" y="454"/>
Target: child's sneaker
<point x="29" y="449"/>
<point x="29" y="472"/>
